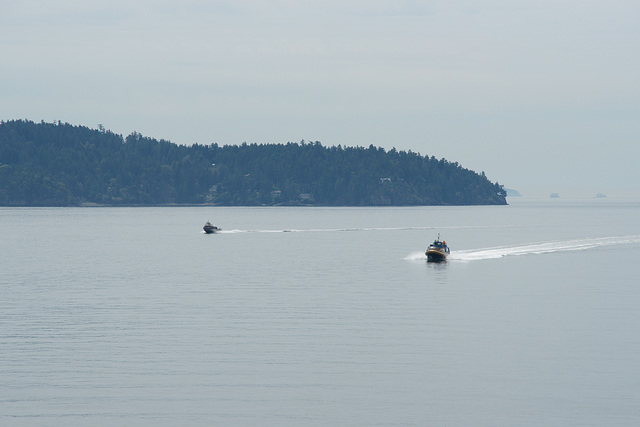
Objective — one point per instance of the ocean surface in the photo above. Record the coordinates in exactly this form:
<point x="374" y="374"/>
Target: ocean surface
<point x="321" y="316"/>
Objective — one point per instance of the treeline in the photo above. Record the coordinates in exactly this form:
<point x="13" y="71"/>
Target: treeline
<point x="57" y="164"/>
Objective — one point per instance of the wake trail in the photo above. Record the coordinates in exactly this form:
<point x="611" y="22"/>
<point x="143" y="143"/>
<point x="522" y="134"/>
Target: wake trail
<point x="332" y="230"/>
<point x="543" y="248"/>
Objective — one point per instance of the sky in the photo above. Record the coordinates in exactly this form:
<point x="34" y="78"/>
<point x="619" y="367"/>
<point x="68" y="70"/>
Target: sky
<point x="541" y="95"/>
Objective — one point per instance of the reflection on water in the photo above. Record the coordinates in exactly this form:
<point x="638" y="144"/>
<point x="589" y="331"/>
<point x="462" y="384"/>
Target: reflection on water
<point x="437" y="265"/>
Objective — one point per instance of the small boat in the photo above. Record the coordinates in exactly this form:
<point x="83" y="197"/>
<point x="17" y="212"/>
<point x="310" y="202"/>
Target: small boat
<point x="209" y="228"/>
<point x="438" y="250"/>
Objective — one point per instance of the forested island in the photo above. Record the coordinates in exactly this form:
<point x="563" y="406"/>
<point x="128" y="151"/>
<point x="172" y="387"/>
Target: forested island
<point x="58" y="164"/>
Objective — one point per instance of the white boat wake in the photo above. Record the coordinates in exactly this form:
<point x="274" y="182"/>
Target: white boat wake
<point x="324" y="230"/>
<point x="531" y="249"/>
<point x="329" y="230"/>
<point x="543" y="248"/>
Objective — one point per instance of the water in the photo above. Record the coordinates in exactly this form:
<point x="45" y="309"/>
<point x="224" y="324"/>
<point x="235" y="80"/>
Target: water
<point x="321" y="316"/>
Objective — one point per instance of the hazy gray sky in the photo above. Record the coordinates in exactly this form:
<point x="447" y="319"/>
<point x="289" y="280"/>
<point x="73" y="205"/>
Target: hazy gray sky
<point x="542" y="95"/>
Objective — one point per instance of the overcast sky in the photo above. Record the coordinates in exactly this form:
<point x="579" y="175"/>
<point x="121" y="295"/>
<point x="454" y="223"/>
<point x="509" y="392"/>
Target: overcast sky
<point x="542" y="95"/>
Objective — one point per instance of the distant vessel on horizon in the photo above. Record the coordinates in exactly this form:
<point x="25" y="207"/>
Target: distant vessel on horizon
<point x="554" y="195"/>
<point x="600" y="195"/>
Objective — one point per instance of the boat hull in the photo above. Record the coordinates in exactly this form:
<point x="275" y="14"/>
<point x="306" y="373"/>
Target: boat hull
<point x="434" y="255"/>
<point x="209" y="228"/>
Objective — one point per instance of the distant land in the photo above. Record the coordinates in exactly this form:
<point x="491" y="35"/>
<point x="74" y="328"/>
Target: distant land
<point x="58" y="164"/>
<point x="512" y="193"/>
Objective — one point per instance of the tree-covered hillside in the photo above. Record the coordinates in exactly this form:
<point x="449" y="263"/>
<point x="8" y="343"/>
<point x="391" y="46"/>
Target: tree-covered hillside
<point x="57" y="164"/>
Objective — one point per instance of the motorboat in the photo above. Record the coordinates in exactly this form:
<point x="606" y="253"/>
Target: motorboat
<point x="210" y="228"/>
<point x="438" y="250"/>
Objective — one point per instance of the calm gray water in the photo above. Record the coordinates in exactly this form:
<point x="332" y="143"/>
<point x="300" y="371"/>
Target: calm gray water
<point x="321" y="316"/>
